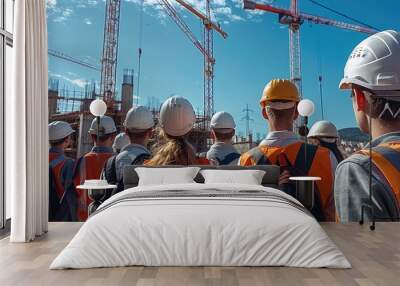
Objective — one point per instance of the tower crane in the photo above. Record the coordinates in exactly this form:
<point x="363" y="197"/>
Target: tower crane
<point x="110" y="52"/>
<point x="66" y="57"/>
<point x="206" y="48"/>
<point x="294" y="19"/>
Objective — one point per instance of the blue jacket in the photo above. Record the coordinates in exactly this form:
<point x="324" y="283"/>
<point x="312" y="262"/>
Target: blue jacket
<point x="62" y="195"/>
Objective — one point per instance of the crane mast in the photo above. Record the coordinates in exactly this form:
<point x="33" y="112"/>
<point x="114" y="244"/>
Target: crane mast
<point x="209" y="62"/>
<point x="110" y="52"/>
<point x="294" y="46"/>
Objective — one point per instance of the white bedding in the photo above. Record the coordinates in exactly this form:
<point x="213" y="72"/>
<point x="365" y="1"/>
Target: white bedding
<point x="185" y="230"/>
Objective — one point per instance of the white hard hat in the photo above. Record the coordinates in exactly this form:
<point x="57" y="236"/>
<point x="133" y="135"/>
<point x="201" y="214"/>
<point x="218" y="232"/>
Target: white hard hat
<point x="139" y="118"/>
<point x="120" y="141"/>
<point x="222" y="120"/>
<point x="59" y="130"/>
<point x="323" y="128"/>
<point x="374" y="63"/>
<point x="107" y="126"/>
<point x="177" y="116"/>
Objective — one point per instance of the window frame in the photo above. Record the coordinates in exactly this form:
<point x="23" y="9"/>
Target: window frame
<point x="6" y="39"/>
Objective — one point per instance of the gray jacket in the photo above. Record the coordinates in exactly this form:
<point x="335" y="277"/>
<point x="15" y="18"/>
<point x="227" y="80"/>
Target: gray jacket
<point x="352" y="187"/>
<point x="128" y="155"/>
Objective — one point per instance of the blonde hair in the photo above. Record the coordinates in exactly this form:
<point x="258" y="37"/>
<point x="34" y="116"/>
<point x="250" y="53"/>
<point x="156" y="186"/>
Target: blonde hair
<point x="172" y="151"/>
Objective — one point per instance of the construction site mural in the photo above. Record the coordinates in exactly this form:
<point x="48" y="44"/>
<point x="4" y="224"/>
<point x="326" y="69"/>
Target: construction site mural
<point x="219" y="54"/>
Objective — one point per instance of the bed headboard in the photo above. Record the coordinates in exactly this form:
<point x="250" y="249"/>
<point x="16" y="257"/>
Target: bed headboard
<point x="270" y="179"/>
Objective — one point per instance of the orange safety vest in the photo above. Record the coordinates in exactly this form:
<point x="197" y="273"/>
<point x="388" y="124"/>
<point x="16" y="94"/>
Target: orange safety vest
<point x="56" y="168"/>
<point x="293" y="156"/>
<point x="88" y="167"/>
<point x="261" y="155"/>
<point x="386" y="158"/>
<point x="202" y="161"/>
<point x="318" y="164"/>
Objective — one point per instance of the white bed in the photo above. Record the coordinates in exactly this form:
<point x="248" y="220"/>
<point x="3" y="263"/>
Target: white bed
<point x="201" y="225"/>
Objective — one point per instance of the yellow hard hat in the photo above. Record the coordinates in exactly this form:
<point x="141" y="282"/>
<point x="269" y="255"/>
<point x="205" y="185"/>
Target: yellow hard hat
<point x="279" y="89"/>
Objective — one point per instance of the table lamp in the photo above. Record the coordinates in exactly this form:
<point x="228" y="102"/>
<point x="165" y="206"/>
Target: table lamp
<point x="305" y="108"/>
<point x="98" y="108"/>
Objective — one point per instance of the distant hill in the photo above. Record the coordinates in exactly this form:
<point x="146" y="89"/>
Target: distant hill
<point x="353" y="134"/>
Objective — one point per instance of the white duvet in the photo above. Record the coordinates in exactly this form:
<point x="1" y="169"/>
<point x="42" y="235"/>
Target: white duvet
<point x="186" y="230"/>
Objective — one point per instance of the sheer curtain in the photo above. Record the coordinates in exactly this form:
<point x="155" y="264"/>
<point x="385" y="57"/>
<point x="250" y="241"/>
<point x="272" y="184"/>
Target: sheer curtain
<point x="26" y="124"/>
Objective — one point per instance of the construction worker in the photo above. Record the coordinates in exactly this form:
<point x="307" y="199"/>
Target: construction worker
<point x="325" y="134"/>
<point x="90" y="166"/>
<point x="372" y="74"/>
<point x="177" y="118"/>
<point x="138" y="126"/>
<point x="120" y="141"/>
<point x="62" y="196"/>
<point x="284" y="148"/>
<point x="223" y="129"/>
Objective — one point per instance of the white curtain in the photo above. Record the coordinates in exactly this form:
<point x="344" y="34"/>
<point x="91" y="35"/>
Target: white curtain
<point x="26" y="124"/>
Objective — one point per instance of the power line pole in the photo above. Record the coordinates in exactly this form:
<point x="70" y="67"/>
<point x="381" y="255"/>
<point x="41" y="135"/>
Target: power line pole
<point x="247" y="117"/>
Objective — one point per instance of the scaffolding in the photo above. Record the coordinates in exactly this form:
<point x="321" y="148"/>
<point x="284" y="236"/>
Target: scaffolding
<point x="72" y="105"/>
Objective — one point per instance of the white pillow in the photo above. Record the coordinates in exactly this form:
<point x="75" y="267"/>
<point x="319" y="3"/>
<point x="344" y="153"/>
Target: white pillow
<point x="166" y="176"/>
<point x="247" y="177"/>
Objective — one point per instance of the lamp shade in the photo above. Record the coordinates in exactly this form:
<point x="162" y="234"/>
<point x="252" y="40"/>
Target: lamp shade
<point x="305" y="107"/>
<point x="98" y="107"/>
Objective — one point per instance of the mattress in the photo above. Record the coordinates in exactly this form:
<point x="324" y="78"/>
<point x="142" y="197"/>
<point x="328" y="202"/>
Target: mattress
<point x="201" y="225"/>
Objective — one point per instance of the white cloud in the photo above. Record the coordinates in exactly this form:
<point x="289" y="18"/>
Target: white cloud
<point x="227" y="14"/>
<point x="79" y="82"/>
<point x="238" y="3"/>
<point x="224" y="11"/>
<point x="67" y="12"/>
<point x="51" y="4"/>
<point x="219" y="2"/>
<point x="93" y="2"/>
<point x="236" y="18"/>
<point x="88" y="21"/>
<point x="70" y="73"/>
<point x="62" y="14"/>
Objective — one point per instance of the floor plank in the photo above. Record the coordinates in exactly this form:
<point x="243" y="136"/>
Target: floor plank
<point x="375" y="257"/>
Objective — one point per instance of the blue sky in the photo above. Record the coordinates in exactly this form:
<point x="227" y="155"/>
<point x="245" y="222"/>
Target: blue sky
<point x="255" y="52"/>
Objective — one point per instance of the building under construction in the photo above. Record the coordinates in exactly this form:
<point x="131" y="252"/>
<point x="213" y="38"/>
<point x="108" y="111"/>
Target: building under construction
<point x="72" y="106"/>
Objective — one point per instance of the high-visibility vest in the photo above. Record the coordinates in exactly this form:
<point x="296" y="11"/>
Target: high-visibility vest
<point x="292" y="156"/>
<point x="88" y="167"/>
<point x="261" y="155"/>
<point x="317" y="164"/>
<point x="62" y="205"/>
<point x="56" y="164"/>
<point x="386" y="158"/>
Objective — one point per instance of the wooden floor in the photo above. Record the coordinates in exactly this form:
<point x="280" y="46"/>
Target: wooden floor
<point x="375" y="257"/>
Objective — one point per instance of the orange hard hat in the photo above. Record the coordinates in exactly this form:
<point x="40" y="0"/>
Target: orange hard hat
<point x="279" y="89"/>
